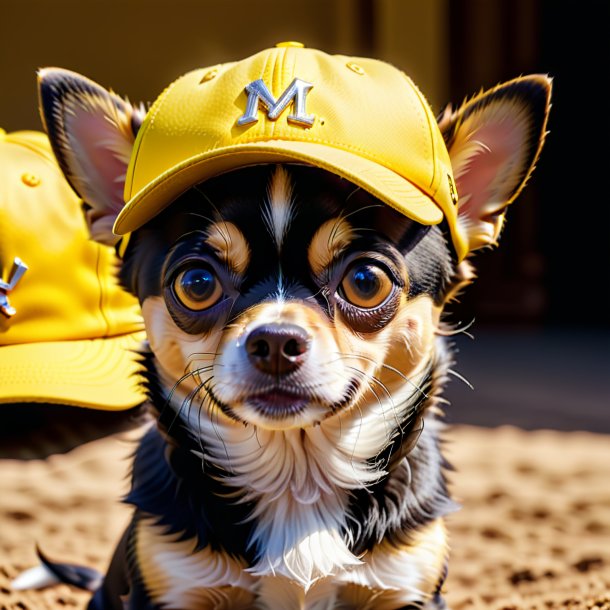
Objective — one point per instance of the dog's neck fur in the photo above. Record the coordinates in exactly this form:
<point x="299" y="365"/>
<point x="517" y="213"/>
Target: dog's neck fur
<point x="333" y="498"/>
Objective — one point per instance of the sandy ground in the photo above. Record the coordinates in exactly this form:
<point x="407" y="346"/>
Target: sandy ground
<point x="533" y="532"/>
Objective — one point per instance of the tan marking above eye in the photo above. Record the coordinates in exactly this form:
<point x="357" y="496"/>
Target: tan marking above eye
<point x="230" y="245"/>
<point x="197" y="288"/>
<point x="328" y="242"/>
<point x="366" y="285"/>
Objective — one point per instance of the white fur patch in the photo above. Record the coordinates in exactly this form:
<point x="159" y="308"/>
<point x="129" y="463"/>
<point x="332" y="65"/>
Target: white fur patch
<point x="279" y="209"/>
<point x="37" y="577"/>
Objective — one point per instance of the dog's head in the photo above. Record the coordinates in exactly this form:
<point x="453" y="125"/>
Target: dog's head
<point x="278" y="293"/>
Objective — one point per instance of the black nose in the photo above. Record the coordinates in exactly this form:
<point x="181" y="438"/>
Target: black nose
<point x="277" y="349"/>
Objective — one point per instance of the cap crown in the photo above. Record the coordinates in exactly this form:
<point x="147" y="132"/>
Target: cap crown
<point x="212" y="120"/>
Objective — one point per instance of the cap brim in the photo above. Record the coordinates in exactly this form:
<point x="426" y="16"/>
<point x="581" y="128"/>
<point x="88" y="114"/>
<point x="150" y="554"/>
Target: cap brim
<point x="380" y="181"/>
<point x="100" y="373"/>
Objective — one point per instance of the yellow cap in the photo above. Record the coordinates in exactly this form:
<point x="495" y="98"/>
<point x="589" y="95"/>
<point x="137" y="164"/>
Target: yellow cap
<point x="68" y="332"/>
<point x="359" y="118"/>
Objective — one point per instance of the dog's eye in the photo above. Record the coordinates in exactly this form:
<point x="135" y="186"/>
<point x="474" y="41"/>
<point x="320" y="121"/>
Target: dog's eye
<point x="366" y="285"/>
<point x="197" y="288"/>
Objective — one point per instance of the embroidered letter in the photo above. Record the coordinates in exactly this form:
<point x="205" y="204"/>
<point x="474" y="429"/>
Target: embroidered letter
<point x="296" y="92"/>
<point x="19" y="268"/>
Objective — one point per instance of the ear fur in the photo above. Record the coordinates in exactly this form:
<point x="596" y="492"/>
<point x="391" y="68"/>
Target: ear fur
<point x="92" y="132"/>
<point x="494" y="141"/>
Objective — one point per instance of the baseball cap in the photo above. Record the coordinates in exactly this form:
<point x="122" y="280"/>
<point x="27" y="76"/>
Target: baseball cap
<point x="68" y="331"/>
<point x="360" y="118"/>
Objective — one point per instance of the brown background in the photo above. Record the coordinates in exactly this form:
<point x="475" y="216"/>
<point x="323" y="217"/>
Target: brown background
<point x="543" y="295"/>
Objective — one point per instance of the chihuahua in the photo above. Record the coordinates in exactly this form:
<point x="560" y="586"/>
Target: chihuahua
<point x="292" y="285"/>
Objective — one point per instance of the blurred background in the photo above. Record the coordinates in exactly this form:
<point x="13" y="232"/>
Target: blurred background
<point x="540" y="357"/>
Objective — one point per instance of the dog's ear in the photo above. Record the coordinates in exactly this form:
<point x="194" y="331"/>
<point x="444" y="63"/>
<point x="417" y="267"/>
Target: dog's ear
<point x="92" y="132"/>
<point x="494" y="141"/>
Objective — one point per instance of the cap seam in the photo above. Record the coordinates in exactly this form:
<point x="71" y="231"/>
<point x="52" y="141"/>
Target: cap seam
<point x="146" y="130"/>
<point x="48" y="157"/>
<point x="423" y="104"/>
<point x="102" y="297"/>
<point x="276" y="79"/>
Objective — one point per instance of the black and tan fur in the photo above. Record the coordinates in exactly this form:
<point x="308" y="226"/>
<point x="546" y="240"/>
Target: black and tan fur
<point x="311" y="478"/>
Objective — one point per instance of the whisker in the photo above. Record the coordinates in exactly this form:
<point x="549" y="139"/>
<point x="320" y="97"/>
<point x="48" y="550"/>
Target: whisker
<point x="379" y="466"/>
<point x="452" y="332"/>
<point x="352" y="194"/>
<point x="256" y="436"/>
<point x="200" y="435"/>
<point x="324" y="292"/>
<point x="385" y="390"/>
<point x="228" y="242"/>
<point x="333" y="233"/>
<point x="460" y="377"/>
<point x="187" y="401"/>
<point x="389" y="368"/>
<point x="209" y="393"/>
<point x="202" y="369"/>
<point x="195" y="355"/>
<point x="351" y="459"/>
<point x="361" y="209"/>
<point x="172" y="392"/>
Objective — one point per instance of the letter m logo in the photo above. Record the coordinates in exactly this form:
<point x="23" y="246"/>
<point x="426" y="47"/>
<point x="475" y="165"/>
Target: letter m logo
<point x="19" y="268"/>
<point x="259" y="94"/>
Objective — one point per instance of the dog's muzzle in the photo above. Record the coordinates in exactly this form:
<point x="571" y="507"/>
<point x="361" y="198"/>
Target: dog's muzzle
<point x="278" y="350"/>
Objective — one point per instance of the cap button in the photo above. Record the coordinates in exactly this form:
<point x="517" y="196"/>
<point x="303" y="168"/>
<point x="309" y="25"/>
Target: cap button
<point x="30" y="179"/>
<point x="290" y="43"/>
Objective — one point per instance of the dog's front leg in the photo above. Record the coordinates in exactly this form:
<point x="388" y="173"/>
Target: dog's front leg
<point x="115" y="586"/>
<point x="121" y="588"/>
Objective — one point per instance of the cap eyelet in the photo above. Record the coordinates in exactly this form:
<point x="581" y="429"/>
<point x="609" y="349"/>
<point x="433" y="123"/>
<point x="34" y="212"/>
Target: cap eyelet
<point x="209" y="75"/>
<point x="452" y="190"/>
<point x="354" y="67"/>
<point x="30" y="179"/>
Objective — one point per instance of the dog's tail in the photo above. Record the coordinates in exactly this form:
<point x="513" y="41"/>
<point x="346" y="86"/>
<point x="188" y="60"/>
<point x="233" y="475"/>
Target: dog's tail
<point x="50" y="573"/>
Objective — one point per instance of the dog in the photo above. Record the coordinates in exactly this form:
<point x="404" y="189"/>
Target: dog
<point x="295" y="225"/>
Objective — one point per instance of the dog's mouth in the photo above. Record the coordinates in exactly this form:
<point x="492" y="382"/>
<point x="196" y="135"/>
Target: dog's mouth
<point x="279" y="404"/>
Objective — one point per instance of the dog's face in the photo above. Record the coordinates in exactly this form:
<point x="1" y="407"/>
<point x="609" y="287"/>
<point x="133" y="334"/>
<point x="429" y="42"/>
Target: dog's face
<point x="284" y="295"/>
